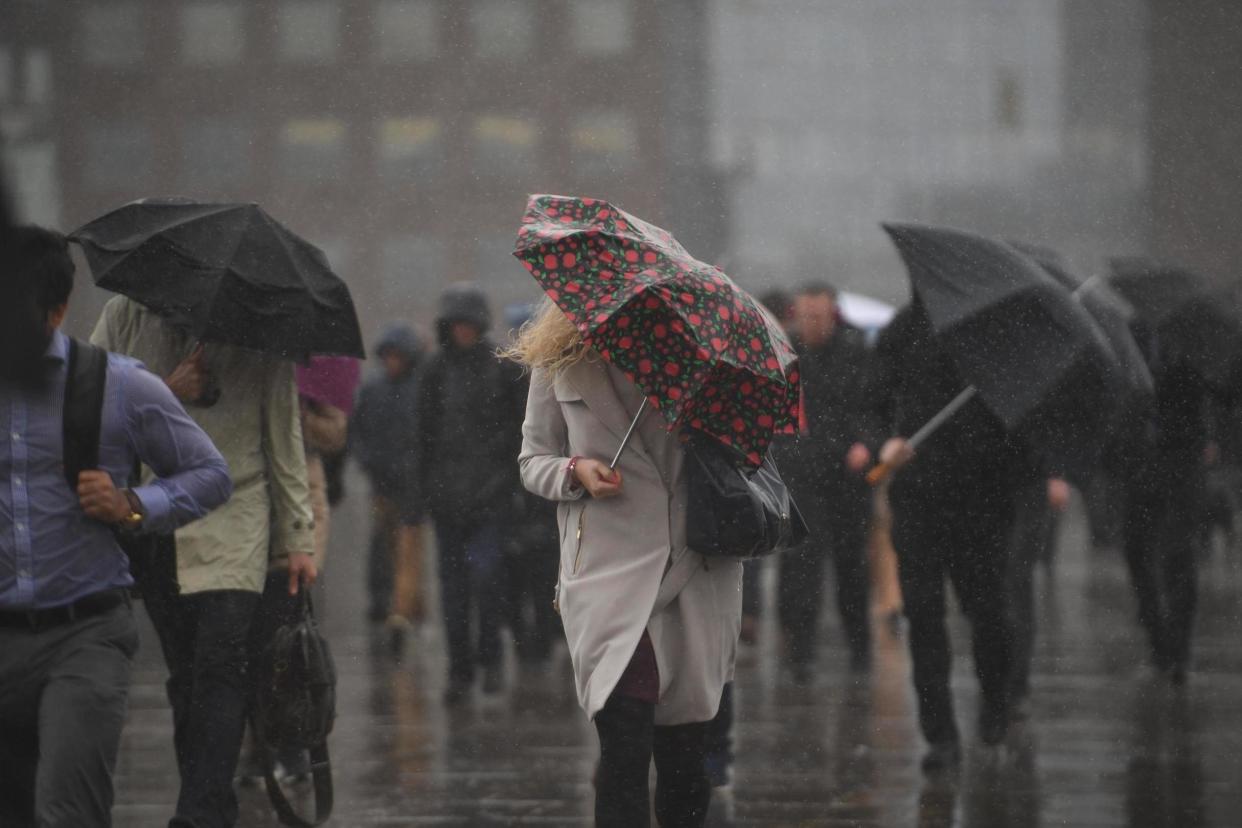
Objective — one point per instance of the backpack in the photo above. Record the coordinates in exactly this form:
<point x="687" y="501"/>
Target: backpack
<point x="86" y="376"/>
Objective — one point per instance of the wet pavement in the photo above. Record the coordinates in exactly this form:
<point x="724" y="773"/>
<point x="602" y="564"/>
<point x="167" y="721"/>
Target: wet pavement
<point x="1106" y="743"/>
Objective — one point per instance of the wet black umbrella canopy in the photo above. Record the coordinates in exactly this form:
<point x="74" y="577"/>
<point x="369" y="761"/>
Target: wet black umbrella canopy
<point x="224" y="273"/>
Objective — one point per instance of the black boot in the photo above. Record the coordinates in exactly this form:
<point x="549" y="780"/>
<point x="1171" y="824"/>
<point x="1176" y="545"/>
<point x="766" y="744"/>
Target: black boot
<point x="622" y="796"/>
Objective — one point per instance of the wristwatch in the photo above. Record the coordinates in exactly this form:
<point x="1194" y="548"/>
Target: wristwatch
<point x="133" y="520"/>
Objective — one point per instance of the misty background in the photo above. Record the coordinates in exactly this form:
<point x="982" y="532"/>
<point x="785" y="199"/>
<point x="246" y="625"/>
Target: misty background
<point x="770" y="136"/>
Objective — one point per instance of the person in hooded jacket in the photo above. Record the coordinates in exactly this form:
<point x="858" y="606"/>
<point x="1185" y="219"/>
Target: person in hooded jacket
<point x="383" y="436"/>
<point x="470" y="411"/>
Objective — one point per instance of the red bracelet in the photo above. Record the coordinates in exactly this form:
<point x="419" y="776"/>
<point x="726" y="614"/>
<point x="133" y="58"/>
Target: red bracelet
<point x="569" y="471"/>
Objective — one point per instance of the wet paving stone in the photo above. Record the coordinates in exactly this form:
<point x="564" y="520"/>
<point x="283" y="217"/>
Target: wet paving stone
<point x="1106" y="743"/>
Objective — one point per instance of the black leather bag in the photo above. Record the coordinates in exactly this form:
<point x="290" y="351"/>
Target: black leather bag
<point x="735" y="511"/>
<point x="295" y="708"/>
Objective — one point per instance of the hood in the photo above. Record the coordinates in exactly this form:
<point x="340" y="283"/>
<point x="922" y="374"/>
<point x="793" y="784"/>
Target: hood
<point x="462" y="302"/>
<point x="401" y="338"/>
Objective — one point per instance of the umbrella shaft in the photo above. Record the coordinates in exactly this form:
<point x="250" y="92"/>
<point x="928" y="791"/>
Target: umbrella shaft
<point x="629" y="433"/>
<point x="942" y="417"/>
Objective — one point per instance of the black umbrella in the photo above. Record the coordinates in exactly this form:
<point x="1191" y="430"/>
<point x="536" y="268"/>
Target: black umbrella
<point x="1030" y="352"/>
<point x="1180" y="317"/>
<point x="1110" y="311"/>
<point x="224" y="273"/>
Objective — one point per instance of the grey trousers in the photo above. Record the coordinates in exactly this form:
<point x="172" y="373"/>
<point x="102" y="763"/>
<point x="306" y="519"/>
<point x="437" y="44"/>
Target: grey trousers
<point x="63" y="697"/>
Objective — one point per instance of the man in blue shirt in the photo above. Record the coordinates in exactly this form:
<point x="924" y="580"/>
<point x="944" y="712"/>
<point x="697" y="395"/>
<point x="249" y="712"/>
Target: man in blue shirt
<point x="67" y="632"/>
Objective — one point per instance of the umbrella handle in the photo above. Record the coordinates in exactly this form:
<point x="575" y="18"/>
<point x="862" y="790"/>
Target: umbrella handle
<point x="629" y="433"/>
<point x="882" y="470"/>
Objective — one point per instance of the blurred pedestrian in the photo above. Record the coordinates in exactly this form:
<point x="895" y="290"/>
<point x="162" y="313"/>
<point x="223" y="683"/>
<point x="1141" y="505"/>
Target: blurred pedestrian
<point x="383" y="437"/>
<point x="76" y="421"/>
<point x="651" y="625"/>
<point x="1165" y="480"/>
<point x="532" y="549"/>
<point x="1037" y="510"/>
<point x="203" y="589"/>
<point x="825" y="465"/>
<point x="469" y="411"/>
<point x="952" y="518"/>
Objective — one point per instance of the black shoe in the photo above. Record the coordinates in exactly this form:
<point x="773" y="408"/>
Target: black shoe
<point x="457" y="691"/>
<point x="493" y="681"/>
<point x="942" y="756"/>
<point x="993" y="724"/>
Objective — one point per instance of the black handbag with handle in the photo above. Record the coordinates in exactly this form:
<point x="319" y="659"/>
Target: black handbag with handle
<point x="734" y="510"/>
<point x="295" y="708"/>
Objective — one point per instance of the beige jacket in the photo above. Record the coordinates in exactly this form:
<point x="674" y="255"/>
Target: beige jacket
<point x="629" y="569"/>
<point x="256" y="426"/>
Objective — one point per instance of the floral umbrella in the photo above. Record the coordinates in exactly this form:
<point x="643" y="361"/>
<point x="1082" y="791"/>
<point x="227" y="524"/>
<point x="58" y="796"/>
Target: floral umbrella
<point x="703" y="351"/>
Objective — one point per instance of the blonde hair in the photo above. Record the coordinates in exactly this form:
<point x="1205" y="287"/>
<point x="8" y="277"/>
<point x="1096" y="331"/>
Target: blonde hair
<point x="548" y="341"/>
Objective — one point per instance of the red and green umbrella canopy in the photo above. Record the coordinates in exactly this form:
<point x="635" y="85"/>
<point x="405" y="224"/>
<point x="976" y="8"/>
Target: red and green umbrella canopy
<point x="704" y="351"/>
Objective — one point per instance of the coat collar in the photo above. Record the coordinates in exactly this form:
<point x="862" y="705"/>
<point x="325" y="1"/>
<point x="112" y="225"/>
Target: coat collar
<point x="592" y="383"/>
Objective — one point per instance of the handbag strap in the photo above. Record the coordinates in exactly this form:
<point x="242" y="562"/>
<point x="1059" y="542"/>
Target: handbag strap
<point x="321" y="774"/>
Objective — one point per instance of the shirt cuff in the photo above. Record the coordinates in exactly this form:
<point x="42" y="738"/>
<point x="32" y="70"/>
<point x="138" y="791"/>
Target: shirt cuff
<point x="156" y="508"/>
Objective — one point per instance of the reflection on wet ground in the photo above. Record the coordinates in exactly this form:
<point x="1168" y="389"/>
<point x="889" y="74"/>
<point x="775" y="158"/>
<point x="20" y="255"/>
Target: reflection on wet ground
<point x="1106" y="744"/>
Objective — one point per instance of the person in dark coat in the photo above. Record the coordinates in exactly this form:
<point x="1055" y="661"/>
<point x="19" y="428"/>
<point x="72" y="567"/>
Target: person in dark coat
<point x="825" y="465"/>
<point x="383" y="437"/>
<point x="471" y="407"/>
<point x="953" y="508"/>
<point x="532" y="553"/>
<point x="1164" y="479"/>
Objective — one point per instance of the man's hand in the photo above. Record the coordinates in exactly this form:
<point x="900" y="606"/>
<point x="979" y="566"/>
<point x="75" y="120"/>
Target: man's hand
<point x="896" y="453"/>
<point x="1058" y="494"/>
<point x="190" y="378"/>
<point x="597" y="478"/>
<point x="302" y="570"/>
<point x="100" y="498"/>
<point x="857" y="458"/>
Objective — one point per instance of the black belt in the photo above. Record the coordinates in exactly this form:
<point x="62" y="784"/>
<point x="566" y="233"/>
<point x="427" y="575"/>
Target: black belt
<point x="35" y="620"/>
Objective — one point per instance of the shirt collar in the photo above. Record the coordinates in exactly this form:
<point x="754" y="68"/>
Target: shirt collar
<point x="58" y="348"/>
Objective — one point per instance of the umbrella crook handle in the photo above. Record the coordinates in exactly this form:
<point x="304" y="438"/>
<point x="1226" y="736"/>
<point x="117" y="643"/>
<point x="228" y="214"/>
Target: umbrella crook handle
<point x="629" y="433"/>
<point x="881" y="471"/>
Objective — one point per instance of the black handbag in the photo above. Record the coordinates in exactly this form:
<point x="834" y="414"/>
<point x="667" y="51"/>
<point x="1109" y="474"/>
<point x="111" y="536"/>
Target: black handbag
<point x="736" y="511"/>
<point x="295" y="708"/>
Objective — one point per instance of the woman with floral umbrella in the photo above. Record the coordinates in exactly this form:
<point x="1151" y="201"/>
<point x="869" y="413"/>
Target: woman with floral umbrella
<point x="652" y="626"/>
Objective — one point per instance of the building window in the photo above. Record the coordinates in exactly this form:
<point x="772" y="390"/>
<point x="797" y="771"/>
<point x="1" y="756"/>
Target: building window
<point x="503" y="29"/>
<point x="118" y="157"/>
<point x="410" y="268"/>
<point x="312" y="150"/>
<point x="603" y="142"/>
<point x="113" y="34"/>
<point x="38" y="77"/>
<point x="407" y="30"/>
<point x="216" y="155"/>
<point x="308" y="31"/>
<point x="212" y="34"/>
<point x="410" y="147"/>
<point x="601" y="27"/>
<point x="504" y="145"/>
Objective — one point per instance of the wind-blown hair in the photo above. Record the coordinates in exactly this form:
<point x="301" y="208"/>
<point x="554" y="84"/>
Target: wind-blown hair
<point x="548" y="341"/>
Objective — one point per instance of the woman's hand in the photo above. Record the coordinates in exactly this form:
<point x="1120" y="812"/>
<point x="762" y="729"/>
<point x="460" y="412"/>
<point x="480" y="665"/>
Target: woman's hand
<point x="597" y="478"/>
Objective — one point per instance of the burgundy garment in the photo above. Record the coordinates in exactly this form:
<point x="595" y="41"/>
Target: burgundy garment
<point x="641" y="679"/>
<point x="330" y="380"/>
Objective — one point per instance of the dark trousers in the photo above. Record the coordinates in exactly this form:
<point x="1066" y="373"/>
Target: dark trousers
<point x="63" y="695"/>
<point x="471" y="573"/>
<point x="838" y="519"/>
<point x="1159" y="535"/>
<point x="628" y="741"/>
<point x="965" y="539"/>
<point x="205" y="638"/>
<point x="530" y="575"/>
<point x="1031" y="542"/>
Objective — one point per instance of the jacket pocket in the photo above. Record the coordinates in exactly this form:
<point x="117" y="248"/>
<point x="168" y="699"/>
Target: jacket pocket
<point x="572" y="542"/>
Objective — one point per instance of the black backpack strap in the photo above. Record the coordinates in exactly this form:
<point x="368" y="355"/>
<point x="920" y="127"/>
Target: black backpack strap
<point x="321" y="773"/>
<point x="86" y="377"/>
